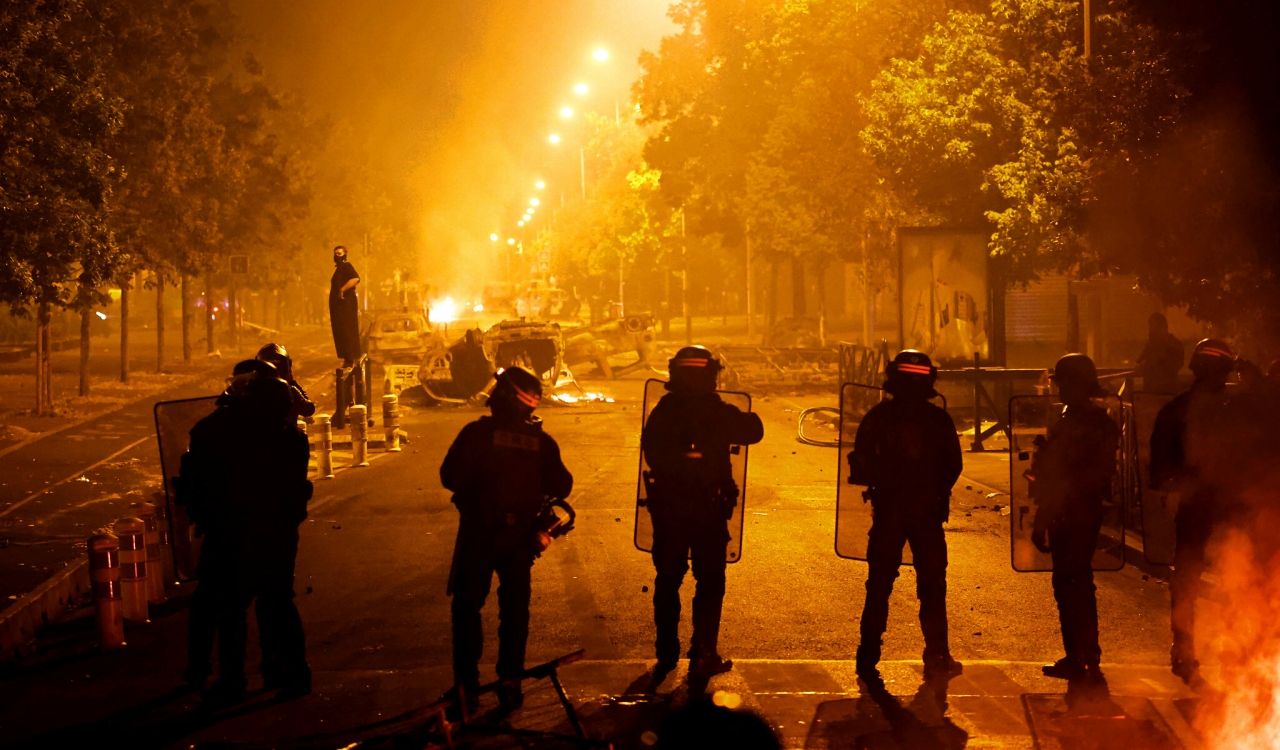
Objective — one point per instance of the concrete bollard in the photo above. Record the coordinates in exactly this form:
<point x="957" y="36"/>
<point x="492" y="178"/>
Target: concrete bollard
<point x="108" y="602"/>
<point x="391" y="421"/>
<point x="324" y="451"/>
<point x="133" y="567"/>
<point x="359" y="435"/>
<point x="151" y="535"/>
<point x="166" y="543"/>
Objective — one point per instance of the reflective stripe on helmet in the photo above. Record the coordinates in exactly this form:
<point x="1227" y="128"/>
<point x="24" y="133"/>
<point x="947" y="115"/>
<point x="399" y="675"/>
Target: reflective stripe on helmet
<point x="530" y="400"/>
<point x="1215" y="352"/>
<point x="915" y="369"/>
<point x="692" y="362"/>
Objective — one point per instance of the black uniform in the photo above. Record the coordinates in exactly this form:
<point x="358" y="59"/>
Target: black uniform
<point x="908" y="454"/>
<point x="1179" y="440"/>
<point x="692" y="495"/>
<point x="1071" y="480"/>
<point x="244" y="485"/>
<point x="500" y="472"/>
<point x="344" y="312"/>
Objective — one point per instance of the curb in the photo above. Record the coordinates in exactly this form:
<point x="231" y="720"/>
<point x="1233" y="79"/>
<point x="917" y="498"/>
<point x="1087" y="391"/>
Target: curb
<point x="20" y="621"/>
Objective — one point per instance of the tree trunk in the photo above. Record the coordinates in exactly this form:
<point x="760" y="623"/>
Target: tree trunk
<point x="44" y="362"/>
<point x="867" y="298"/>
<point x="233" y="315"/>
<point x="124" y="329"/>
<point x="208" y="315"/>
<point x="86" y="317"/>
<point x="798" y="309"/>
<point x="773" y="293"/>
<point x="186" y="319"/>
<point x="751" y="303"/>
<point x="684" y="301"/>
<point x="666" y="305"/>
<point x="822" y="307"/>
<point x="159" y="322"/>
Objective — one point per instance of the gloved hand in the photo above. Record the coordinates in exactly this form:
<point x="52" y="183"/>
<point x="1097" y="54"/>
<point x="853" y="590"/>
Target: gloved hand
<point x="542" y="541"/>
<point x="1040" y="538"/>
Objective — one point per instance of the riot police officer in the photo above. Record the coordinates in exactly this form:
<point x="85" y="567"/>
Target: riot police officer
<point x="1071" y="475"/>
<point x="244" y="485"/>
<point x="501" y="470"/>
<point x="276" y="355"/>
<point x="907" y="454"/>
<point x="692" y="494"/>
<point x="1178" y="438"/>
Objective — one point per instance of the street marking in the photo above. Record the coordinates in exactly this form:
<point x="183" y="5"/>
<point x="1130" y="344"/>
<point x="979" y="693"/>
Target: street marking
<point x="78" y="473"/>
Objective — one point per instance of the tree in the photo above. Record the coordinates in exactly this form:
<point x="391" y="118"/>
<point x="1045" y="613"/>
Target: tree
<point x="56" y="177"/>
<point x="1002" y="118"/>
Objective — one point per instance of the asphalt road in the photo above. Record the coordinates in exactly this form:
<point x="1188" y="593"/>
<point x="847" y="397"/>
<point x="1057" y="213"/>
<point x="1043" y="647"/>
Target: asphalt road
<point x="371" y="577"/>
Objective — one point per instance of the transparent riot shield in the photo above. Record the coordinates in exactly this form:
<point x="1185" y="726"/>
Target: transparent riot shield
<point x="1030" y="418"/>
<point x="654" y="390"/>
<point x="1158" y="507"/>
<point x="853" y="507"/>
<point x="174" y="420"/>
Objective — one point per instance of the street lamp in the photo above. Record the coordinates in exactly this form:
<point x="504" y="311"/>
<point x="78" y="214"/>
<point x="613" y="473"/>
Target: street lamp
<point x="540" y="184"/>
<point x="511" y="240"/>
<point x="519" y="223"/>
<point x="566" y="112"/>
<point x="493" y="237"/>
<point x="601" y="54"/>
<point x="555" y="139"/>
<point x="581" y="89"/>
<point x="533" y="201"/>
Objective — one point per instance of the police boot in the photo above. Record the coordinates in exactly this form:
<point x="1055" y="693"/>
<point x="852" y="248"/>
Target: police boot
<point x="510" y="697"/>
<point x="709" y="664"/>
<point x="1185" y="665"/>
<point x="865" y="662"/>
<point x="464" y="701"/>
<point x="941" y="664"/>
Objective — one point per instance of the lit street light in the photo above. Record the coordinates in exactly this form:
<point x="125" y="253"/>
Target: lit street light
<point x="566" y="112"/>
<point x="581" y="89"/>
<point x="533" y="201"/>
<point x="540" y="185"/>
<point x="601" y="54"/>
<point x="493" y="237"/>
<point x="519" y="223"/>
<point x="511" y="240"/>
<point x="555" y="139"/>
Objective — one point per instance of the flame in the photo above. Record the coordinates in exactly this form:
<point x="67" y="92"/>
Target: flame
<point x="443" y="311"/>
<point x="1246" y="714"/>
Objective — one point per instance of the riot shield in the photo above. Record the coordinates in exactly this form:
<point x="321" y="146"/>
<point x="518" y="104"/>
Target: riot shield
<point x="174" y="420"/>
<point x="1158" y="507"/>
<point x="654" y="390"/>
<point x="853" y="507"/>
<point x="1031" y="417"/>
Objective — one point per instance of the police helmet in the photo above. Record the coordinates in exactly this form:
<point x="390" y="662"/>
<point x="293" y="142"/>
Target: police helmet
<point x="1078" y="371"/>
<point x="1212" y="358"/>
<point x="254" y="366"/>
<point x="911" y="373"/>
<point x="517" y="392"/>
<point x="272" y="353"/>
<point x="693" y="369"/>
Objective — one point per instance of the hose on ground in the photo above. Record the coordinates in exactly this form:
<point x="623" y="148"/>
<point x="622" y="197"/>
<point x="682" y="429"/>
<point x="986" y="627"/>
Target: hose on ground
<point x="814" y="441"/>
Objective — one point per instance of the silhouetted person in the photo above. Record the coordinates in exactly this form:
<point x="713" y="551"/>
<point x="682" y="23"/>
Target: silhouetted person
<point x="1183" y="431"/>
<point x="1071" y="476"/>
<point x="344" y="307"/>
<point x="692" y="494"/>
<point x="907" y="454"/>
<point x="278" y="357"/>
<point x="500" y="468"/>
<point x="243" y="482"/>
<point x="1161" y="358"/>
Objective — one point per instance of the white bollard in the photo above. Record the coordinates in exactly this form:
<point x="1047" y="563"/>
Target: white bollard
<point x="391" y="421"/>
<point x="357" y="416"/>
<point x="324" y="452"/>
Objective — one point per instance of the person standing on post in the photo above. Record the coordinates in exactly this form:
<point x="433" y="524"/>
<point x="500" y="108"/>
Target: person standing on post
<point x="1071" y="475"/>
<point x="501" y="469"/>
<point x="692" y="494"/>
<point x="907" y="454"/>
<point x="344" y="307"/>
<point x="243" y="483"/>
<point x="1161" y="358"/>
<point x="1181" y="426"/>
